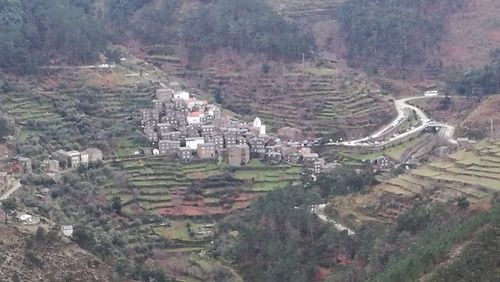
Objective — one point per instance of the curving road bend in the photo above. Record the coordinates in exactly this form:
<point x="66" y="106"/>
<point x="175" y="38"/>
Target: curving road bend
<point x="403" y="109"/>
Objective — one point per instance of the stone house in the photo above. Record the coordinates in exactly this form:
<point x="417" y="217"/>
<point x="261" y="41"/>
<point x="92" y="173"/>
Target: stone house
<point x="167" y="147"/>
<point x="49" y="165"/>
<point x="74" y="158"/>
<point x="26" y="164"/>
<point x="158" y="105"/>
<point x="170" y="119"/>
<point x="163" y="127"/>
<point x="382" y="163"/>
<point x="238" y="155"/>
<point x="465" y="143"/>
<point x="71" y="158"/>
<point x="164" y="94"/>
<point x="172" y="135"/>
<point x="185" y="154"/>
<point x="4" y="152"/>
<point x="151" y="135"/>
<point x="207" y="118"/>
<point x="257" y="145"/>
<point x="178" y="104"/>
<point x="206" y="151"/>
<point x="95" y="155"/>
<point x="308" y="156"/>
<point x="5" y="179"/>
<point x="193" y="130"/>
<point x="273" y="154"/>
<point x="217" y="140"/>
<point x="207" y="129"/>
<point x="230" y="139"/>
<point x="240" y="140"/>
<point x="84" y="158"/>
<point x="291" y="156"/>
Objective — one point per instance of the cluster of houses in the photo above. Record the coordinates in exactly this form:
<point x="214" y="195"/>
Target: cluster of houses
<point x="50" y="167"/>
<point x="72" y="159"/>
<point x="184" y="127"/>
<point x="16" y="167"/>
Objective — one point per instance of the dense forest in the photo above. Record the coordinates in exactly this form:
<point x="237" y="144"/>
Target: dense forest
<point x="395" y="33"/>
<point x="245" y="25"/>
<point x="34" y="32"/>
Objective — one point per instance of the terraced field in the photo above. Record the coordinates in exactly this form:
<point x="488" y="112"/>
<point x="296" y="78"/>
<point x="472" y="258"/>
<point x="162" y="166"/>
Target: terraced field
<point x="73" y="115"/>
<point x="474" y="174"/>
<point x="317" y="100"/>
<point x="197" y="189"/>
<point x="310" y="11"/>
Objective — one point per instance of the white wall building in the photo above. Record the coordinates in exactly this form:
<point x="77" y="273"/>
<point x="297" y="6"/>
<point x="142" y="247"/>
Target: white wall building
<point x="192" y="142"/>
<point x="194" y="117"/>
<point x="183" y="95"/>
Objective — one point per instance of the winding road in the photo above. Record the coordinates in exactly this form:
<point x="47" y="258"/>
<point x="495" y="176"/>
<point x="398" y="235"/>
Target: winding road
<point x="403" y="109"/>
<point x="319" y="210"/>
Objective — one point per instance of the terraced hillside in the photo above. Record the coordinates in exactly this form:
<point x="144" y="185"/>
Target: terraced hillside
<point x="75" y="113"/>
<point x="474" y="174"/>
<point x="319" y="100"/>
<point x="315" y="100"/>
<point x="197" y="189"/>
<point x="310" y="11"/>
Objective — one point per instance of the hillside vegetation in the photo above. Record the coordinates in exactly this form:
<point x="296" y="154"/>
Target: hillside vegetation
<point x="245" y="25"/>
<point x="392" y="33"/>
<point x="34" y="32"/>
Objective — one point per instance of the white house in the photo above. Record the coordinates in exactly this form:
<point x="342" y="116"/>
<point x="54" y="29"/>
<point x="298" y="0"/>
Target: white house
<point x="195" y="117"/>
<point x="192" y="142"/>
<point x="191" y="103"/>
<point x="24" y="217"/>
<point x="183" y="95"/>
<point x="84" y="158"/>
<point x="431" y="93"/>
<point x="67" y="230"/>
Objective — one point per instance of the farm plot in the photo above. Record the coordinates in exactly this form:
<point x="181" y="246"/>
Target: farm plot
<point x="474" y="174"/>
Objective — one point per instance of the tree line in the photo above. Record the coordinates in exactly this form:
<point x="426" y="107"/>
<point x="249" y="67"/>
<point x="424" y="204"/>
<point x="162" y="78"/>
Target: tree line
<point x="32" y="33"/>
<point x="245" y="25"/>
<point x="478" y="81"/>
<point x="394" y="33"/>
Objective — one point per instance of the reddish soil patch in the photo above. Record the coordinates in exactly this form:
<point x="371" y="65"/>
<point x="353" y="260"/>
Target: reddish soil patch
<point x="494" y="35"/>
<point x="481" y="117"/>
<point x="197" y="207"/>
<point x="322" y="273"/>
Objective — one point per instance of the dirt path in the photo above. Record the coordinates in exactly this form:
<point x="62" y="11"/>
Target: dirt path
<point x="16" y="185"/>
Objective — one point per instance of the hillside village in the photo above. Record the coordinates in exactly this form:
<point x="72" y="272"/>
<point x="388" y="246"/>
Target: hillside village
<point x="184" y="127"/>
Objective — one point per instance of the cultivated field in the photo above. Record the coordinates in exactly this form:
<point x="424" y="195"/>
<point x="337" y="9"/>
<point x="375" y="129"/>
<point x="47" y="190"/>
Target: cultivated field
<point x="474" y="174"/>
<point x="200" y="189"/>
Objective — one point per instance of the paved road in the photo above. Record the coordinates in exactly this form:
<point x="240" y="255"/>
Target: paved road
<point x="319" y="210"/>
<point x="16" y="185"/>
<point x="403" y="109"/>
